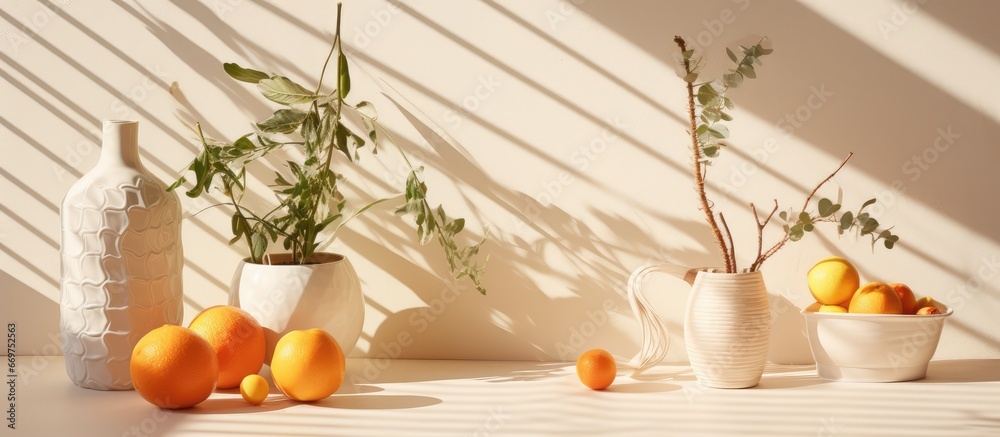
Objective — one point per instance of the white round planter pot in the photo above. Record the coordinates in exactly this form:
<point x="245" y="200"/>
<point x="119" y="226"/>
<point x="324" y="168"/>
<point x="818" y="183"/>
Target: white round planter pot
<point x="325" y="294"/>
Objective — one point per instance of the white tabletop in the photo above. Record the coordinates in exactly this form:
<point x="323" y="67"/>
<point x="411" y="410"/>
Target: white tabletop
<point x="415" y="397"/>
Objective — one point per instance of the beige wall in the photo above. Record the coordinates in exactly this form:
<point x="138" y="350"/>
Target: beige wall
<point x="560" y="128"/>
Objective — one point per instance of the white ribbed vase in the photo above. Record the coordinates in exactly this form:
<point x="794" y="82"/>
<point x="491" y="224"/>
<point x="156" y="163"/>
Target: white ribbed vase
<point x="727" y="325"/>
<point x="121" y="262"/>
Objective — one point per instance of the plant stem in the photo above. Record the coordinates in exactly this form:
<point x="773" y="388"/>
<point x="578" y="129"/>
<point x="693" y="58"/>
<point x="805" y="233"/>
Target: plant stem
<point x="777" y="246"/>
<point x="698" y="179"/>
<point x="729" y="236"/>
<point x="299" y="259"/>
<point x="760" y="232"/>
<point x="329" y="55"/>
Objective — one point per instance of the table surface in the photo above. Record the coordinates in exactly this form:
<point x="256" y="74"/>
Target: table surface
<point x="425" y="397"/>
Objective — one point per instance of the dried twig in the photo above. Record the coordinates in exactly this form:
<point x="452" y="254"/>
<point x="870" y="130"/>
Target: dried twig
<point x="729" y="236"/>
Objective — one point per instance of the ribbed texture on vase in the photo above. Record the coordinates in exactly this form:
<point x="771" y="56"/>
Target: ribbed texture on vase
<point x="726" y="329"/>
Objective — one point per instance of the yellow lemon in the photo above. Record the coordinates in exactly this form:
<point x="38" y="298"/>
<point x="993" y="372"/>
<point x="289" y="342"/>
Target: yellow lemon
<point x="833" y="280"/>
<point x="832" y="309"/>
<point x="308" y="365"/>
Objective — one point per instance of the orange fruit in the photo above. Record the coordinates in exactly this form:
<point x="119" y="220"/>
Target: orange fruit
<point x="876" y="298"/>
<point x="832" y="281"/>
<point x="906" y="297"/>
<point x="172" y="367"/>
<point x="238" y="341"/>
<point x="596" y="369"/>
<point x="925" y="311"/>
<point x="308" y="365"/>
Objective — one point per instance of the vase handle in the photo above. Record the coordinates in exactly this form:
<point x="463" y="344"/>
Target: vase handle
<point x="655" y="333"/>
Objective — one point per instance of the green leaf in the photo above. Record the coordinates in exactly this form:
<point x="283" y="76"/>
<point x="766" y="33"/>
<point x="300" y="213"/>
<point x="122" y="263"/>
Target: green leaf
<point x="457" y="225"/>
<point x="706" y="93"/>
<point x="244" y="143"/>
<point x="827" y="207"/>
<point x="804" y="217"/>
<point x="719" y="131"/>
<point x="180" y="181"/>
<point x="367" y="109"/>
<point x="244" y="74"/>
<point x="732" y="55"/>
<point x="687" y="54"/>
<point x="283" y="121"/>
<point x="702" y="130"/>
<point x="691" y="77"/>
<point x="344" y="82"/>
<point x="725" y="117"/>
<point x="783" y="215"/>
<point x="846" y="220"/>
<point x="280" y="89"/>
<point x="889" y="243"/>
<point x="808" y="227"/>
<point x="870" y="226"/>
<point x="259" y="241"/>
<point x="747" y="70"/>
<point x="341" y="142"/>
<point x="710" y="151"/>
<point x="733" y="80"/>
<point x="795" y="232"/>
<point x="866" y="204"/>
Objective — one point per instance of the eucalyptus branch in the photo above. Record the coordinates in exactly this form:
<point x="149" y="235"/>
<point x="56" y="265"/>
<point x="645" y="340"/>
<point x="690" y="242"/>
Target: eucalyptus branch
<point x="777" y="246"/>
<point x="707" y="133"/>
<point x="699" y="181"/>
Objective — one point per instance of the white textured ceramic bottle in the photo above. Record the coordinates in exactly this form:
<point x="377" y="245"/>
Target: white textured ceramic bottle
<point x="121" y="262"/>
<point x="727" y="325"/>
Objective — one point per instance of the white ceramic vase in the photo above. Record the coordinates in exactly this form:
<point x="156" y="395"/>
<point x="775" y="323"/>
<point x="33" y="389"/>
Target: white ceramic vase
<point x="121" y="262"/>
<point x="726" y="325"/>
<point x="325" y="294"/>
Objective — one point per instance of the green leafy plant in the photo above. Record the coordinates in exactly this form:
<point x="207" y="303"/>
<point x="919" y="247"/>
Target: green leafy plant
<point x="707" y="111"/>
<point x="309" y="197"/>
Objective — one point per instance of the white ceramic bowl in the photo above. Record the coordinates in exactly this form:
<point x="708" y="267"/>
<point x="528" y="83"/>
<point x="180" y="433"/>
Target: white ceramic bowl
<point x="873" y="347"/>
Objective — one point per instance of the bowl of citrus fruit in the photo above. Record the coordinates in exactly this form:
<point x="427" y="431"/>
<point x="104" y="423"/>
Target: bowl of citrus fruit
<point x="873" y="332"/>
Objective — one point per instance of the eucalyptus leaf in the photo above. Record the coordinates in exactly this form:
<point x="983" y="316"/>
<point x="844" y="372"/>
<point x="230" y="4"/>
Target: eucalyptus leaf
<point x="827" y="207"/>
<point x="719" y="131"/>
<point x="847" y="220"/>
<point x="691" y="77"/>
<point x="732" y="55"/>
<point x="795" y="232"/>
